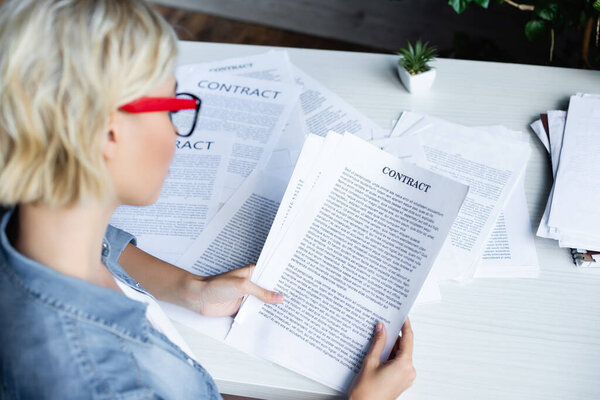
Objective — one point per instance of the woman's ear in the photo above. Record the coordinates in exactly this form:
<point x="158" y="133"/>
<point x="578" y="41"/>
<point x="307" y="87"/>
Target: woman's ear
<point x="111" y="139"/>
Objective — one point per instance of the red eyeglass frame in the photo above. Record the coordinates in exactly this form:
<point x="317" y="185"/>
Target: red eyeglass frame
<point x="151" y="104"/>
<point x="172" y="104"/>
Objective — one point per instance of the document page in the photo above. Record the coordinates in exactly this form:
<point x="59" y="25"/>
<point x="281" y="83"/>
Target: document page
<point x="357" y="253"/>
<point x="509" y="251"/>
<point x="325" y="111"/>
<point x="491" y="164"/>
<point x="270" y="66"/>
<point x="188" y="199"/>
<point x="256" y="110"/>
<point x="236" y="235"/>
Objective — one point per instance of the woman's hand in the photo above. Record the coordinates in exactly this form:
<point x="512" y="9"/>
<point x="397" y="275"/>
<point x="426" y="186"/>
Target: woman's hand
<point x="386" y="380"/>
<point x="221" y="295"/>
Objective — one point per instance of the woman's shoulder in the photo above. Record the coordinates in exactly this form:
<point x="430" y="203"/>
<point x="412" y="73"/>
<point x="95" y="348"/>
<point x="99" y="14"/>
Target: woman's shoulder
<point x="59" y="356"/>
<point x="48" y="353"/>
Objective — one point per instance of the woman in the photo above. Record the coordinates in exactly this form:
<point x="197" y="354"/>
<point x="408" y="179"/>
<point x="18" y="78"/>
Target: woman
<point x="86" y="91"/>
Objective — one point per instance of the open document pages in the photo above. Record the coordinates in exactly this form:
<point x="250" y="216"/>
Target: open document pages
<point x="355" y="248"/>
<point x="491" y="160"/>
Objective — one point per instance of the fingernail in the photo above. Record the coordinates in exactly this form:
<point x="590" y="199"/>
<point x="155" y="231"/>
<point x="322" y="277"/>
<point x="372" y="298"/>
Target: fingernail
<point x="278" y="297"/>
<point x="379" y="326"/>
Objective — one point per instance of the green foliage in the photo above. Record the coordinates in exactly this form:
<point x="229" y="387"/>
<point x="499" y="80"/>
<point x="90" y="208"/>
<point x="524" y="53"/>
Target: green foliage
<point x="461" y="5"/>
<point x="546" y="15"/>
<point x="415" y="58"/>
<point x="535" y="29"/>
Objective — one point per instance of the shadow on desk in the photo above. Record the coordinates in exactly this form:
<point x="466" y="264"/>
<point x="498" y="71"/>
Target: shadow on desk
<point x="232" y="397"/>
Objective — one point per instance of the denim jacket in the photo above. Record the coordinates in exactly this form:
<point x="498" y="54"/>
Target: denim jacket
<point x="65" y="338"/>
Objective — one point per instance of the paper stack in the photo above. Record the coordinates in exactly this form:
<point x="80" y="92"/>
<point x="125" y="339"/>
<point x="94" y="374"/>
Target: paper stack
<point x="492" y="236"/>
<point x="573" y="142"/>
<point x="353" y="241"/>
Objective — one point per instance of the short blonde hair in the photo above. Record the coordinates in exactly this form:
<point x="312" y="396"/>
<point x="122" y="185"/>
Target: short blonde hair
<point x="65" y="65"/>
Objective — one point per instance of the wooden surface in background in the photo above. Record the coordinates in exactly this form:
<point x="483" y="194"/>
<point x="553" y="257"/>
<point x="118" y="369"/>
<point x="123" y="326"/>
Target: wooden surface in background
<point x="198" y="26"/>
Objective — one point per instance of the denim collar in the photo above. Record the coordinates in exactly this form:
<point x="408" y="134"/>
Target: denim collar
<point x="74" y="296"/>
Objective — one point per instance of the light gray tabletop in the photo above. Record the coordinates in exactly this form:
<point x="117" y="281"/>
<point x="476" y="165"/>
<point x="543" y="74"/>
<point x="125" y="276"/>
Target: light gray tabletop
<point x="490" y="338"/>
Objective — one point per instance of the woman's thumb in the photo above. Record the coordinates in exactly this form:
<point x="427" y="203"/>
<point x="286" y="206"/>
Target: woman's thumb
<point x="377" y="345"/>
<point x="263" y="294"/>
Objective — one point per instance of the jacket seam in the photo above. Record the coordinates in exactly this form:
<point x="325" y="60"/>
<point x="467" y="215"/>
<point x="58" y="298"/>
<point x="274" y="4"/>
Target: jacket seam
<point x="125" y="349"/>
<point x="84" y="361"/>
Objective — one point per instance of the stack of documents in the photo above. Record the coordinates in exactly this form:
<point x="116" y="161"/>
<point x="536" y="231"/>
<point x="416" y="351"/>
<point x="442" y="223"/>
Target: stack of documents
<point x="572" y="139"/>
<point x="354" y="237"/>
<point x="492" y="236"/>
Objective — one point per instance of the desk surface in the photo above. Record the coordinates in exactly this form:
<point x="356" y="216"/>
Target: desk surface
<point x="490" y="338"/>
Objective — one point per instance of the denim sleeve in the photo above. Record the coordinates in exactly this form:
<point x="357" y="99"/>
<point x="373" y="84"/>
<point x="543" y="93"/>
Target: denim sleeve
<point x="118" y="239"/>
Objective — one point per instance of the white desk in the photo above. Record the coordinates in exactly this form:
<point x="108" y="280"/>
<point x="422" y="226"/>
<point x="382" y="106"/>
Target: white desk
<point x="489" y="339"/>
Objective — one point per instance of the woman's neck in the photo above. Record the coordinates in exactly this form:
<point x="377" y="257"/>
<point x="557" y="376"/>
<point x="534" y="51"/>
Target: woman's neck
<point x="68" y="240"/>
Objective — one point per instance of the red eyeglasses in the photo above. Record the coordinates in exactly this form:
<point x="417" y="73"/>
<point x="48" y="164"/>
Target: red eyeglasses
<point x="183" y="110"/>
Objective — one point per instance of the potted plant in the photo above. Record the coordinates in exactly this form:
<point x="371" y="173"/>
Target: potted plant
<point x="415" y="72"/>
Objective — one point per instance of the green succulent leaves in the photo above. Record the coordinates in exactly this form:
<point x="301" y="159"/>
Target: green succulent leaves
<point x="414" y="59"/>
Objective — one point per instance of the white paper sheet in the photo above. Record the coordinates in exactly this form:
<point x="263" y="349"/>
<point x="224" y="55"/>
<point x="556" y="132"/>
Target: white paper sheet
<point x="325" y="111"/>
<point x="575" y="205"/>
<point x="270" y="66"/>
<point x="233" y="239"/>
<point x="570" y="214"/>
<point x="409" y="149"/>
<point x="269" y="185"/>
<point x="538" y="128"/>
<point x="256" y="110"/>
<point x="235" y="236"/>
<point x="188" y="199"/>
<point x="556" y="125"/>
<point x="489" y="163"/>
<point x="509" y="251"/>
<point x="314" y="332"/>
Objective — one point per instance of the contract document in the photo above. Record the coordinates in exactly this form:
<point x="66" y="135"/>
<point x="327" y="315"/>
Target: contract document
<point x="237" y="234"/>
<point x="354" y="249"/>
<point x="489" y="162"/>
<point x="188" y="199"/>
<point x="256" y="110"/>
<point x="274" y="66"/>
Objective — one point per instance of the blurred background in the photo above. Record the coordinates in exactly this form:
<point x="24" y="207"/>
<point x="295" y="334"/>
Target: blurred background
<point x="561" y="33"/>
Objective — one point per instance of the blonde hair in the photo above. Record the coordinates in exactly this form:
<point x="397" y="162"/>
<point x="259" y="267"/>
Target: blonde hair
<point x="65" y="65"/>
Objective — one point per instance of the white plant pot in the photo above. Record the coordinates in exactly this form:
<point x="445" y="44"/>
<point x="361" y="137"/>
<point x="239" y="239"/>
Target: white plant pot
<point x="419" y="83"/>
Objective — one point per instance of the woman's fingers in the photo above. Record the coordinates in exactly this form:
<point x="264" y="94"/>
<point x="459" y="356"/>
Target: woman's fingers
<point x="262" y="294"/>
